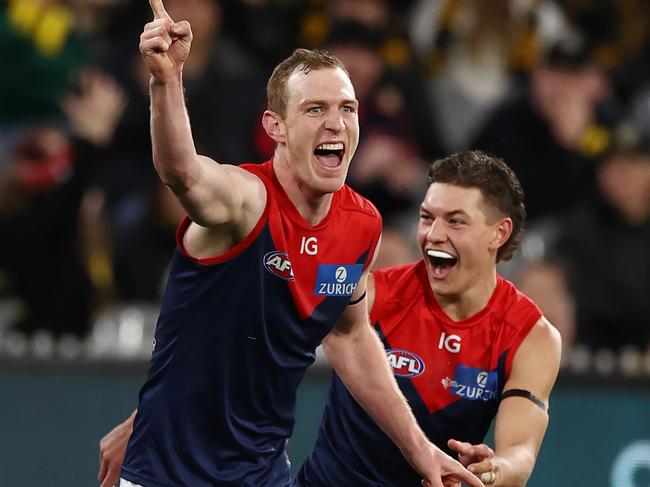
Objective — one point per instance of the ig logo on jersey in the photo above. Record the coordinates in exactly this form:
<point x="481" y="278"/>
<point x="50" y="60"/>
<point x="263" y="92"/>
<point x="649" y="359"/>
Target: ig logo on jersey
<point x="277" y="263"/>
<point x="405" y="363"/>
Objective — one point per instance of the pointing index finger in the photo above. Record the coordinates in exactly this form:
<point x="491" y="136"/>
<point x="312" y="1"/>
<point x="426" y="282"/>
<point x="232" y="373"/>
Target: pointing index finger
<point x="158" y="9"/>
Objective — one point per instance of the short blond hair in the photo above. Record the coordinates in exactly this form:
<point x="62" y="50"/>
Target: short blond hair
<point x="304" y="60"/>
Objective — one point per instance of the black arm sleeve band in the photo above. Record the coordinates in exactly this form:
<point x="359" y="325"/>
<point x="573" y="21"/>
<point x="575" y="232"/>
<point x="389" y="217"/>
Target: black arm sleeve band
<point x="358" y="300"/>
<point x="526" y="394"/>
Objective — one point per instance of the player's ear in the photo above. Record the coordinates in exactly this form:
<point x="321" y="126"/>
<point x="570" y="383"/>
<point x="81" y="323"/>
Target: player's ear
<point x="502" y="232"/>
<point x="274" y="126"/>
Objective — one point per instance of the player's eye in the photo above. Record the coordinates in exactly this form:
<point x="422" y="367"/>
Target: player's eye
<point x="349" y="108"/>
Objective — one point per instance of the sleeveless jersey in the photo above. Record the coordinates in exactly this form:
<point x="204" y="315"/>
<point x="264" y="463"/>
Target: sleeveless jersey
<point x="451" y="372"/>
<point x="234" y="338"/>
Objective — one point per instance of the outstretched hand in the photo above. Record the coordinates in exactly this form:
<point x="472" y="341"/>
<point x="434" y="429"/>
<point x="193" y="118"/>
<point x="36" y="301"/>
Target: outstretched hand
<point x="165" y="44"/>
<point x="479" y="459"/>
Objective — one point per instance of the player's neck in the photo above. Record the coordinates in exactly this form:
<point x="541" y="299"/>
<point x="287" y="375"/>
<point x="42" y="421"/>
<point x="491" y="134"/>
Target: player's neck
<point x="312" y="206"/>
<point x="471" y="301"/>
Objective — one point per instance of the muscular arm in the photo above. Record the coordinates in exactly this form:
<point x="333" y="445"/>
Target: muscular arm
<point x="520" y="424"/>
<point x="212" y="194"/>
<point x="359" y="359"/>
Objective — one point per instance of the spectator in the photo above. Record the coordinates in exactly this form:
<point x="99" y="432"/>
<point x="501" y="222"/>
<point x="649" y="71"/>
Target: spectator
<point x="546" y="132"/>
<point x="602" y="250"/>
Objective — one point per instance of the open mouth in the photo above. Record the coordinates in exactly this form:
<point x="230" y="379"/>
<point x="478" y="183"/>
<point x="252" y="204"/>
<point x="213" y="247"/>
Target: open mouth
<point x="330" y="155"/>
<point x="443" y="262"/>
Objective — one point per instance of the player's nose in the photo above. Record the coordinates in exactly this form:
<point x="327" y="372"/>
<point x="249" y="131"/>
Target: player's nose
<point x="437" y="231"/>
<point x="334" y="121"/>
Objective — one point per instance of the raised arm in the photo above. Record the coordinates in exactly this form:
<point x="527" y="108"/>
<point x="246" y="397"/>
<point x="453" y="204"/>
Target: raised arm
<point x="521" y="420"/>
<point x="359" y="359"/>
<point x="211" y="193"/>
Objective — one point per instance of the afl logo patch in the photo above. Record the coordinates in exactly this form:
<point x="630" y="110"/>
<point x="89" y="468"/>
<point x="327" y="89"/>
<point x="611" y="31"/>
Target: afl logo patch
<point x="405" y="363"/>
<point x="277" y="263"/>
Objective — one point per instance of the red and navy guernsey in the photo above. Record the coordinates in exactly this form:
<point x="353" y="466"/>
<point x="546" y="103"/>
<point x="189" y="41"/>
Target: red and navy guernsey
<point x="234" y="338"/>
<point x="451" y="372"/>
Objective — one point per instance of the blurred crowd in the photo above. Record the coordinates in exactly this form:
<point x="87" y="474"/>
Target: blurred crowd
<point x="559" y="88"/>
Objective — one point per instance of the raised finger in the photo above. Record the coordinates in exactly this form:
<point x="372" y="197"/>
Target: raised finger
<point x="158" y="9"/>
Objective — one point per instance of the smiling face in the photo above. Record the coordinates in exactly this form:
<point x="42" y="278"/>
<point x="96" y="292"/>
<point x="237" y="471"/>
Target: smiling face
<point x="319" y="133"/>
<point x="459" y="235"/>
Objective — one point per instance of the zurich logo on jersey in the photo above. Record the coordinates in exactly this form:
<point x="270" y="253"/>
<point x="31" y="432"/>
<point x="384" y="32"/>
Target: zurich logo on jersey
<point x="473" y="384"/>
<point x="277" y="263"/>
<point x="337" y="279"/>
<point x="405" y="363"/>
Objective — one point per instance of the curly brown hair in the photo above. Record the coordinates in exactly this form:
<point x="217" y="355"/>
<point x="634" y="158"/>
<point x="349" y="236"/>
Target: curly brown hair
<point x="496" y="181"/>
<point x="304" y="60"/>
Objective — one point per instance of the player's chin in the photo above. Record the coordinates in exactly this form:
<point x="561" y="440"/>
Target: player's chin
<point x="443" y="287"/>
<point x="329" y="181"/>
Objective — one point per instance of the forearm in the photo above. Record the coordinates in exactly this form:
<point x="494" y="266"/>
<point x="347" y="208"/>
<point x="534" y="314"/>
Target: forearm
<point x="353" y="357"/>
<point x="174" y="153"/>
<point x="515" y="466"/>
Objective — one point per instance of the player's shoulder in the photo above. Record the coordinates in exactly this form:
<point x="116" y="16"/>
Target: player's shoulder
<point x="514" y="300"/>
<point x="263" y="170"/>
<point x="397" y="280"/>
<point x="545" y="335"/>
<point x="514" y="309"/>
<point x="350" y="200"/>
<point x="392" y="287"/>
<point x="397" y="271"/>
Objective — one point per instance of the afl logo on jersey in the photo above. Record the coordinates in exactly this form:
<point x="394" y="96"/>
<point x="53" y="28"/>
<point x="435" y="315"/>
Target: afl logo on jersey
<point x="405" y="363"/>
<point x="278" y="263"/>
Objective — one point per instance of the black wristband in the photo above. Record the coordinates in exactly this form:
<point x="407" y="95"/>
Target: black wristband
<point x="358" y="300"/>
<point x="525" y="394"/>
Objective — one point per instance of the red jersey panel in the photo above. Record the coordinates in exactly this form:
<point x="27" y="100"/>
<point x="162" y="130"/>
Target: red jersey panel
<point x="351" y="223"/>
<point x="435" y="346"/>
